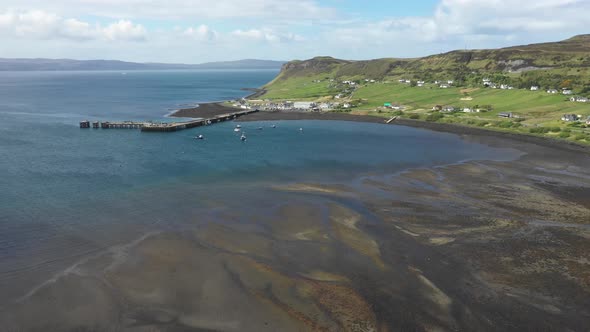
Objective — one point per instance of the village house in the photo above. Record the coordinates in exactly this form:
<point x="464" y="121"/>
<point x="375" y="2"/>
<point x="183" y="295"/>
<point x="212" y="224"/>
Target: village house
<point x="325" y="106"/>
<point x="468" y="110"/>
<point x="552" y="91"/>
<point x="303" y="105"/>
<point x="579" y="99"/>
<point x="346" y="105"/>
<point x="437" y="108"/>
<point x="450" y="82"/>
<point x="567" y="92"/>
<point x="444" y="86"/>
<point x="506" y="115"/>
<point x="534" y="88"/>
<point x="506" y="87"/>
<point x="397" y="107"/>
<point x="448" y="109"/>
<point x="570" y="118"/>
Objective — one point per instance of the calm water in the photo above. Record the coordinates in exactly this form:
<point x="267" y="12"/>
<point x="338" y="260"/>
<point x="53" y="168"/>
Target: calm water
<point x="68" y="192"/>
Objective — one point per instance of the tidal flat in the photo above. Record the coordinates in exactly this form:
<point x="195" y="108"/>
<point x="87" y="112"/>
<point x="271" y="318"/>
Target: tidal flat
<point x="472" y="246"/>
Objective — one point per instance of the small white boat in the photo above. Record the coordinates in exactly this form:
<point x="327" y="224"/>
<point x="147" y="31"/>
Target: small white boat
<point x="243" y="137"/>
<point x="208" y="122"/>
<point x="199" y="137"/>
<point x="273" y="126"/>
<point x="238" y="126"/>
<point x="301" y="129"/>
<point x="259" y="128"/>
<point x="237" y="130"/>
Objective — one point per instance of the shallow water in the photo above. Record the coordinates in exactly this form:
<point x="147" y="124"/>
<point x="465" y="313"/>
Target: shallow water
<point x="70" y="193"/>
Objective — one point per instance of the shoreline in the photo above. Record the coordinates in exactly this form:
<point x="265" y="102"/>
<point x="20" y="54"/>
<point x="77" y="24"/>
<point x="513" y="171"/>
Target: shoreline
<point x="203" y="110"/>
<point x="212" y="109"/>
<point x="435" y="126"/>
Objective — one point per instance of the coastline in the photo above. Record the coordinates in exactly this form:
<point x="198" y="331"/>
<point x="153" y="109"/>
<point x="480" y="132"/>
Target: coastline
<point x="442" y="127"/>
<point x="204" y="110"/>
<point x="216" y="108"/>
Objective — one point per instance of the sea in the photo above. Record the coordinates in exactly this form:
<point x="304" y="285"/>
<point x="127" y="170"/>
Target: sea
<point x="68" y="193"/>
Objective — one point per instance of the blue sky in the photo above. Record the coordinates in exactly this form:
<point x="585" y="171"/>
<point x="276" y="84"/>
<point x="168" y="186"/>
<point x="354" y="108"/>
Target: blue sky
<point x="194" y="31"/>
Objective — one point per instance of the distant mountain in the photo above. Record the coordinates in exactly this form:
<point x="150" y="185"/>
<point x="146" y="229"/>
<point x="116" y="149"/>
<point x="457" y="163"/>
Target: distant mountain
<point x="69" y="64"/>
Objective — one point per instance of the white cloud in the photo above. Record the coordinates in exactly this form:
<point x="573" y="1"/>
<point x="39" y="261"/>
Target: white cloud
<point x="123" y="30"/>
<point x="175" y="9"/>
<point x="261" y="28"/>
<point x="267" y="35"/>
<point x="202" y="33"/>
<point x="472" y="23"/>
<point x="42" y="25"/>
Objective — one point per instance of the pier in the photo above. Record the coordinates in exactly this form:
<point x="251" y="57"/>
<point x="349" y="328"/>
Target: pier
<point x="164" y="126"/>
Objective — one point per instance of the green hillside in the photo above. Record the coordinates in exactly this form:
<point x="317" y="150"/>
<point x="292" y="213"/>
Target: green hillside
<point x="550" y="65"/>
<point x="556" y="65"/>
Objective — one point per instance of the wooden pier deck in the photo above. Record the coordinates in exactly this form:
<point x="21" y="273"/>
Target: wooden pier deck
<point x="164" y="126"/>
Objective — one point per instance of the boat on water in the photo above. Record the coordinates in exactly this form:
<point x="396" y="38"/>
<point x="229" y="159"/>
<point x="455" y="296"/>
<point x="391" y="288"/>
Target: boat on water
<point x="301" y="129"/>
<point x="199" y="137"/>
<point x="237" y="130"/>
<point x="208" y="122"/>
<point x="259" y="128"/>
<point x="273" y="126"/>
<point x="243" y="137"/>
<point x="238" y="126"/>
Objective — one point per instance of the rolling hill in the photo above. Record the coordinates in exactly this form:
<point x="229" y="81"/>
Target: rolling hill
<point x="546" y="64"/>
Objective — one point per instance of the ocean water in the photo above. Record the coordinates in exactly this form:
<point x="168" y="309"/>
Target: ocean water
<point x="67" y="193"/>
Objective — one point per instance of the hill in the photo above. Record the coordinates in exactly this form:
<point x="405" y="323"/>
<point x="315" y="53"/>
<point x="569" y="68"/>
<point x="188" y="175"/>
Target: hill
<point x="70" y="64"/>
<point x="546" y="64"/>
<point x="373" y="87"/>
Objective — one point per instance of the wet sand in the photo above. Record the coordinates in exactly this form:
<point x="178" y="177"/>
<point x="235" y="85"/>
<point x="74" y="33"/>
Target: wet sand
<point x="476" y="246"/>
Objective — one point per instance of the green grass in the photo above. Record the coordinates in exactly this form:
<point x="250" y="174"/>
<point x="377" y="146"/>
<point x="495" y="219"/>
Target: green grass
<point x="537" y="108"/>
<point x="302" y="88"/>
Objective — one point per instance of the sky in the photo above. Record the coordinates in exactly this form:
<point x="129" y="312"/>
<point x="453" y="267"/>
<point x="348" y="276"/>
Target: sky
<point x="196" y="31"/>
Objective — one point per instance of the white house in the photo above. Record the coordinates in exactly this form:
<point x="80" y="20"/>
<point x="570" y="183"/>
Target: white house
<point x="570" y="117"/>
<point x="450" y="82"/>
<point x="468" y="110"/>
<point x="487" y="80"/>
<point x="448" y="109"/>
<point x="420" y="84"/>
<point x="534" y="88"/>
<point x="346" y="105"/>
<point x="444" y="86"/>
<point x="304" y="105"/>
<point x="552" y="91"/>
<point x="579" y="99"/>
<point x="567" y="92"/>
<point x="505" y="87"/>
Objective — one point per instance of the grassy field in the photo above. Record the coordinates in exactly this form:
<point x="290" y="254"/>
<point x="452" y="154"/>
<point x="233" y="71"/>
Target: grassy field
<point x="539" y="113"/>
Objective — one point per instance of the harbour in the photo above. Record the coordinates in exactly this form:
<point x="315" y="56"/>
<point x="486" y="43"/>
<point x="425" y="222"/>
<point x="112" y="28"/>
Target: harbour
<point x="148" y="126"/>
